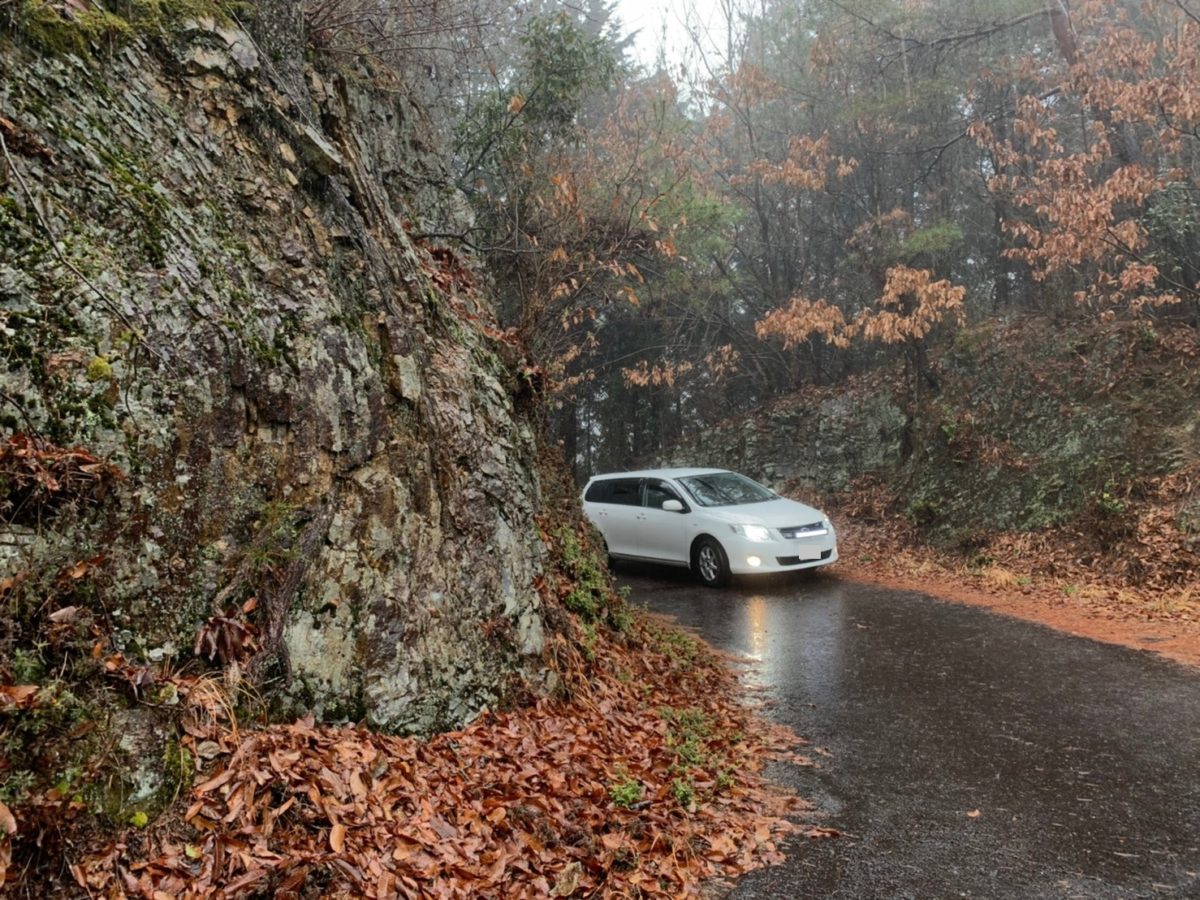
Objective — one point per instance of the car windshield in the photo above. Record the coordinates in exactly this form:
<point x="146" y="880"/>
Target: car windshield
<point x="726" y="489"/>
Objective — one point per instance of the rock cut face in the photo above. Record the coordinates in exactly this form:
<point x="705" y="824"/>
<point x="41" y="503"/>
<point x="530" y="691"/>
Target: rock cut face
<point x="312" y="426"/>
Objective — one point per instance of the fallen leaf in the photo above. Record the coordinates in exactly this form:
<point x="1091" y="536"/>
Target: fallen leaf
<point x="20" y="695"/>
<point x="7" y="822"/>
<point x="208" y="749"/>
<point x="337" y="837"/>
<point x="819" y="832"/>
<point x="65" y="615"/>
<point x="567" y="882"/>
<point x="81" y="569"/>
<point x="516" y="804"/>
<point x="357" y="787"/>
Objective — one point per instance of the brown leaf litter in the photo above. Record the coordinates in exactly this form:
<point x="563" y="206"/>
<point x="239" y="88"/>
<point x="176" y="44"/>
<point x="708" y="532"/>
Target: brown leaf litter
<point x="518" y="804"/>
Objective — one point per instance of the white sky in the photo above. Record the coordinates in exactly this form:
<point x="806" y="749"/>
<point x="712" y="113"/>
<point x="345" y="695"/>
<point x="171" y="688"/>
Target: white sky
<point x="650" y="17"/>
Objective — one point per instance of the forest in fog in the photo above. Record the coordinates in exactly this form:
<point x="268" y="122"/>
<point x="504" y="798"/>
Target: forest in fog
<point x="829" y="186"/>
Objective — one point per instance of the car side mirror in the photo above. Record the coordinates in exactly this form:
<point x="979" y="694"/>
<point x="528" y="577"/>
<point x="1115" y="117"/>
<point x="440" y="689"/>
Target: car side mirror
<point x="672" y="506"/>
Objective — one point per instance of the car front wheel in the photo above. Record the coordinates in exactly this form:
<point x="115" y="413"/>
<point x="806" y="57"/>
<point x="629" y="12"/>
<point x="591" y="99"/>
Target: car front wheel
<point x="710" y="563"/>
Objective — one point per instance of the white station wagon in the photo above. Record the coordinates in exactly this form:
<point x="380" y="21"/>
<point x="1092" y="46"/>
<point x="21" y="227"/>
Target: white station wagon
<point x="715" y="522"/>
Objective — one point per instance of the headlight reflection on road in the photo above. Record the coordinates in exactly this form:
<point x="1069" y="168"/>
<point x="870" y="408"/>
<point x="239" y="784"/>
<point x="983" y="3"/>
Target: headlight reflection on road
<point x="756" y="631"/>
<point x="796" y="638"/>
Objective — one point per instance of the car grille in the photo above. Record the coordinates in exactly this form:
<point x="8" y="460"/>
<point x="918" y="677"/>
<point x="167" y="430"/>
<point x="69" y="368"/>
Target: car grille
<point x="800" y="531"/>
<point x="795" y="560"/>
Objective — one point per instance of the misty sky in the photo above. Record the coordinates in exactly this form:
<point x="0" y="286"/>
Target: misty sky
<point x="651" y="16"/>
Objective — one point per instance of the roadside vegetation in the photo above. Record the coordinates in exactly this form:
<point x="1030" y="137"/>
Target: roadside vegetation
<point x="1073" y="502"/>
<point x="883" y="199"/>
<point x="839" y="189"/>
<point x="636" y="770"/>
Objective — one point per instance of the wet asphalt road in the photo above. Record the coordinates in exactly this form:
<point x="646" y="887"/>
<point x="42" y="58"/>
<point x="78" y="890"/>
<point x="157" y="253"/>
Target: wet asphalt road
<point x="1082" y="759"/>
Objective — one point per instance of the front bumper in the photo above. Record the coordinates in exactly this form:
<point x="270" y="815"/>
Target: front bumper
<point x="780" y="556"/>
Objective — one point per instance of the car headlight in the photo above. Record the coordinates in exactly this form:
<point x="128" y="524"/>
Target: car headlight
<point x="752" y="532"/>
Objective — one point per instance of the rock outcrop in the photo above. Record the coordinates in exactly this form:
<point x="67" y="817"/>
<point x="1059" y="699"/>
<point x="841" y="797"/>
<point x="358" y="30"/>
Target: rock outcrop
<point x="818" y="442"/>
<point x="207" y="279"/>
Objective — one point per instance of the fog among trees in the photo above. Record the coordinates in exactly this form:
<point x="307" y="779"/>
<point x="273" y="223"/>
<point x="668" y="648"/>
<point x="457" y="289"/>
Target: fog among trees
<point x="843" y="186"/>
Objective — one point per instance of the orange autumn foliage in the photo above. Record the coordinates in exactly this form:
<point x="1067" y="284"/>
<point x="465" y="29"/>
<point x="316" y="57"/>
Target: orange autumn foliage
<point x="1086" y="195"/>
<point x="715" y="365"/>
<point x="809" y="165"/>
<point x="911" y="305"/>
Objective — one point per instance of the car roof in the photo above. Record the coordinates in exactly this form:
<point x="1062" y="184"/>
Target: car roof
<point x="657" y="473"/>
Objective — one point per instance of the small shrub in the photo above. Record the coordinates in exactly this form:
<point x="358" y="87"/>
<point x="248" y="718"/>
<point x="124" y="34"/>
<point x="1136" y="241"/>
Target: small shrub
<point x="923" y="511"/>
<point x="583" y="603"/>
<point x="626" y="792"/>
<point x="683" y="792"/>
<point x="620" y="618"/>
<point x="674" y="644"/>
<point x="690" y="729"/>
<point x="591" y="596"/>
<point x="589" y="641"/>
<point x="1110" y="505"/>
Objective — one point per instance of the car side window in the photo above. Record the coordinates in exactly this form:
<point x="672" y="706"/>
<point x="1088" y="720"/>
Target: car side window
<point x="622" y="491"/>
<point x="658" y="493"/>
<point x="599" y="492"/>
<point x="625" y="491"/>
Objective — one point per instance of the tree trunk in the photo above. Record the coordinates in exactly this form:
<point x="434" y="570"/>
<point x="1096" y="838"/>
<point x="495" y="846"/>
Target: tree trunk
<point x="1119" y="136"/>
